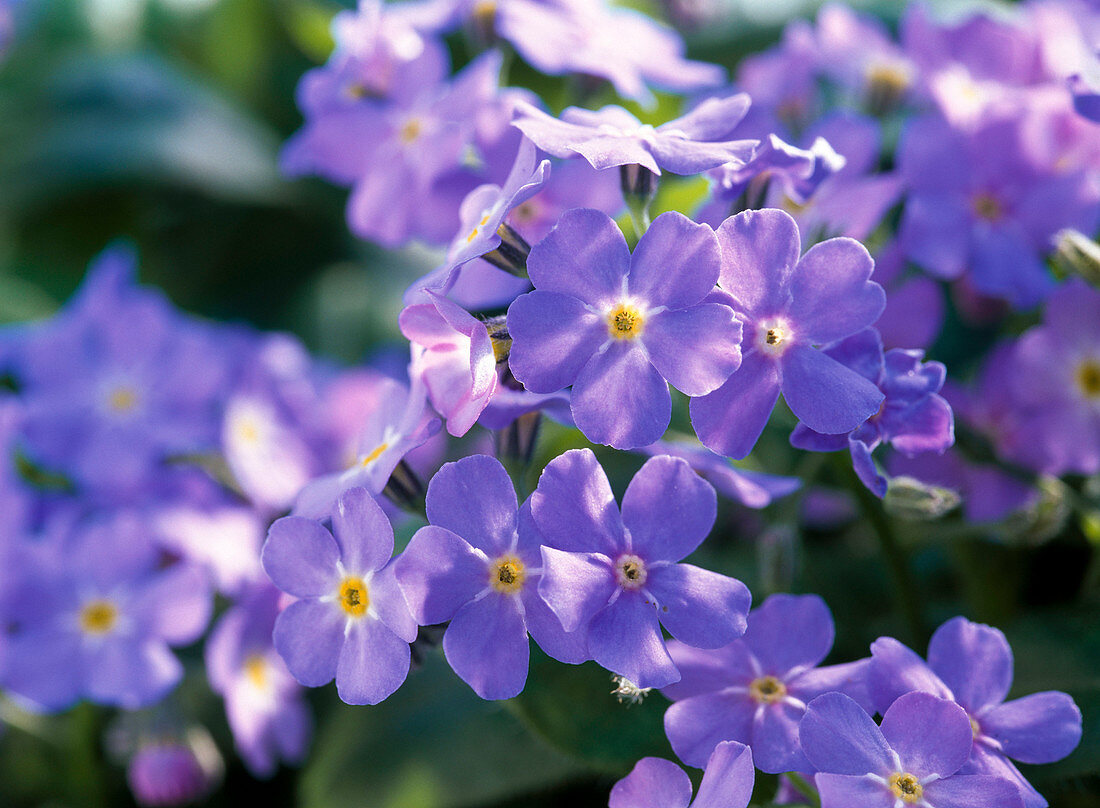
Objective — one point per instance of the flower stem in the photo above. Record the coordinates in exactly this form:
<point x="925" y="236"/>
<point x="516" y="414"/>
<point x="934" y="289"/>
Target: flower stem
<point x="804" y="788"/>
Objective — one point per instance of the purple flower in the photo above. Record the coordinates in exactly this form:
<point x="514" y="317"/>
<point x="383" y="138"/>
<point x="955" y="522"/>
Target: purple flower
<point x="454" y="358"/>
<point x="912" y="418"/>
<point x="983" y="204"/>
<point x="263" y="703"/>
<point x="1054" y="377"/>
<point x="615" y="577"/>
<point x="754" y="489"/>
<point x="657" y="783"/>
<point x="613" y="137"/>
<point x="398" y="424"/>
<point x="478" y="566"/>
<point x="1086" y="97"/>
<point x="97" y="620"/>
<point x="913" y="759"/>
<point x="755" y="689"/>
<point x="620" y="328"/>
<point x="971" y="664"/>
<point x="590" y="37"/>
<point x="174" y="772"/>
<point x="351" y="621"/>
<point x="787" y="306"/>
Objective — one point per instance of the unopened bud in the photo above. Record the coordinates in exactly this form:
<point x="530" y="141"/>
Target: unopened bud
<point x="1077" y="254"/>
<point x="175" y="771"/>
<point x="909" y="498"/>
<point x="639" y="186"/>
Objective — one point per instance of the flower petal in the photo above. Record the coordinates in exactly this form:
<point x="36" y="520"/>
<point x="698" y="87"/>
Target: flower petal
<point x="849" y="791"/>
<point x="676" y="262"/>
<point x="626" y="639"/>
<point x="695" y="349"/>
<point x="486" y="645"/>
<point x="974" y="660"/>
<point x="438" y="574"/>
<point x="300" y="557"/>
<point x="728" y="779"/>
<point x="972" y="791"/>
<point x="729" y="420"/>
<point x="930" y="735"/>
<point x="574" y="508"/>
<point x="760" y="249"/>
<point x="823" y="394"/>
<point x="553" y="337"/>
<point x="363" y="531"/>
<point x="585" y="256"/>
<point x="373" y="663"/>
<point x="575" y="585"/>
<point x="831" y="294"/>
<point x="897" y="670"/>
<point x="652" y="783"/>
<point x="775" y="744"/>
<point x="620" y="399"/>
<point x="839" y="737"/>
<point x="789" y="632"/>
<point x="308" y="636"/>
<point x="699" y="607"/>
<point x="695" y="726"/>
<point x="475" y="499"/>
<point x="1040" y="728"/>
<point x="668" y="509"/>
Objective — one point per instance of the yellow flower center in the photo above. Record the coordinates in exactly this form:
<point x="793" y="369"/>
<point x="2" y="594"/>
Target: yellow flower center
<point x="773" y="336"/>
<point x="370" y="458"/>
<point x="473" y="233"/>
<point x="506" y="575"/>
<point x="767" y="690"/>
<point x="354" y="598"/>
<point x="247" y="431"/>
<point x="630" y="572"/>
<point x="625" y="322"/>
<point x="98" y="617"/>
<point x="1088" y="378"/>
<point x="986" y="206"/>
<point x="906" y="787"/>
<point x="975" y="728"/>
<point x="122" y="399"/>
<point x="410" y="131"/>
<point x="255" y="668"/>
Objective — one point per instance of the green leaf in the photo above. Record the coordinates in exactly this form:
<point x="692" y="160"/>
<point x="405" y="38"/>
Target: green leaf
<point x="433" y="744"/>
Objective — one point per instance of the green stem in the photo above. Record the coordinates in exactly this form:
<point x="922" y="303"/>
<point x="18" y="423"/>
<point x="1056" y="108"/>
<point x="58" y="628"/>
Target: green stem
<point x="85" y="758"/>
<point x="804" y="788"/>
<point x="902" y="577"/>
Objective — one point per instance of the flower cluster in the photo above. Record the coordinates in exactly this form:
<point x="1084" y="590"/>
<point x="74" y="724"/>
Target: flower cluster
<point x="349" y="519"/>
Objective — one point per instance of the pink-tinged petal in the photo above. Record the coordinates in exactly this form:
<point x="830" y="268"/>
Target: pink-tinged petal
<point x="388" y="602"/>
<point x="308" y="636"/>
<point x="897" y="670"/>
<point x="373" y="663"/>
<point x="585" y="256"/>
<point x="839" y="737"/>
<point x="760" y="249"/>
<point x="553" y="337"/>
<point x="546" y="629"/>
<point x="831" y="294"/>
<point x="363" y="531"/>
<point x="574" y="507"/>
<point x="438" y="574"/>
<point x="575" y="585"/>
<point x="676" y="262"/>
<point x="972" y="791"/>
<point x="668" y="509"/>
<point x="652" y="783"/>
<point x="695" y="726"/>
<point x="728" y="779"/>
<point x="823" y="394"/>
<point x="699" y="607"/>
<point x="787" y="632"/>
<point x="1040" y="728"/>
<point x="300" y="557"/>
<point x="132" y="674"/>
<point x="620" y="399"/>
<point x="775" y="738"/>
<point x="850" y="791"/>
<point x="486" y="645"/>
<point x="729" y="420"/>
<point x="974" y="660"/>
<point x="709" y="670"/>
<point x="475" y="499"/>
<point x="695" y="349"/>
<point x="930" y="735"/>
<point x="626" y="639"/>
<point x="178" y="603"/>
